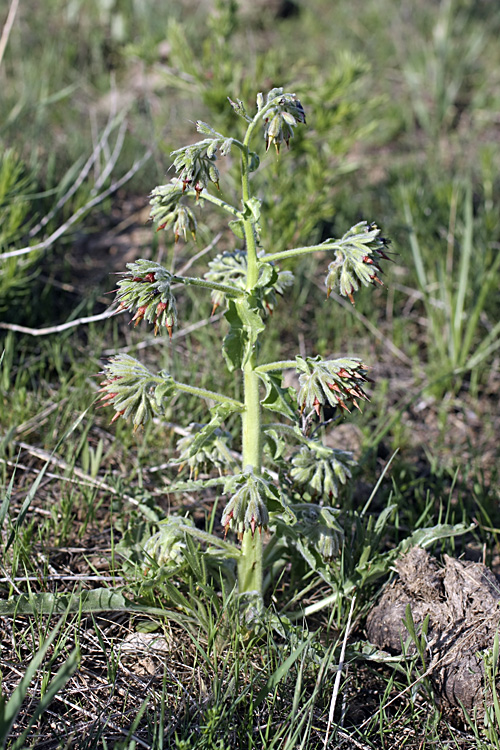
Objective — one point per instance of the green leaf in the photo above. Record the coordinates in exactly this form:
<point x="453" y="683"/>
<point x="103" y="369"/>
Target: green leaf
<point x="202" y="437"/>
<point x="245" y="325"/>
<point x="95" y="600"/>
<point x="236" y="228"/>
<point x="194" y="485"/>
<point x="250" y="318"/>
<point x="226" y="548"/>
<point x="274" y="444"/>
<point x="252" y="209"/>
<point x="425" y="537"/>
<point x="254" y="162"/>
<point x="233" y="346"/>
<point x="10" y="710"/>
<point x="268" y="275"/>
<point x="278" y="399"/>
<point x="283" y="670"/>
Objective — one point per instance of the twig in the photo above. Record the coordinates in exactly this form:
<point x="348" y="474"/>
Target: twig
<point x="338" y="676"/>
<point x="53" y="459"/>
<point x="8" y="27"/>
<point x="113" y="158"/>
<point x="355" y="742"/>
<point x="81" y="211"/>
<point x="61" y="327"/>
<point x="105" y="721"/>
<point x="63" y="577"/>
<point x="150" y="341"/>
<point x="371" y="327"/>
<point x="199" y="255"/>
<point x="79" y="180"/>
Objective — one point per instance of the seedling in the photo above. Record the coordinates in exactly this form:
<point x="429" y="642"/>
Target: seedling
<point x="265" y="492"/>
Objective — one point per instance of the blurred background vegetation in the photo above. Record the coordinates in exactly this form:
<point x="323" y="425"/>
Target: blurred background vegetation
<point x="402" y="103"/>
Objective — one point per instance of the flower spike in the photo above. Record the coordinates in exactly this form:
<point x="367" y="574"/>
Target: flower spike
<point x="145" y="291"/>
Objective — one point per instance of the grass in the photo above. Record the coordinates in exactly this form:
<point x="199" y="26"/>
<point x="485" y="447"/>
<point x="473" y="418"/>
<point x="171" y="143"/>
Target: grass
<point x="154" y="658"/>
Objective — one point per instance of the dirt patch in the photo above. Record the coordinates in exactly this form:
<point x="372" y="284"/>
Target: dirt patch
<point x="461" y="601"/>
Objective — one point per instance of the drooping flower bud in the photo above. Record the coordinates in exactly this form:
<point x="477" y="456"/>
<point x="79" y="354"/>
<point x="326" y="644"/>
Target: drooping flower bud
<point x="164" y="200"/>
<point x="195" y="164"/>
<point x="214" y="452"/>
<point x="145" y="291"/>
<point x="132" y="390"/>
<point x="337" y="382"/>
<point x="321" y="469"/>
<point x="357" y="259"/>
<point x="319" y="529"/>
<point x="231" y="267"/>
<point x="167" y="547"/>
<point x="183" y="221"/>
<point x="247" y="508"/>
<point x="282" y="118"/>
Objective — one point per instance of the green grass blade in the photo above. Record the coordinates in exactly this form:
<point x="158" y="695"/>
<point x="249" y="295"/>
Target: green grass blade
<point x="95" y="600"/>
<point x="11" y="709"/>
<point x="490" y="282"/>
<point x="414" y="244"/>
<point x="485" y="348"/>
<point x="56" y="685"/>
<point x="4" y="507"/>
<point x="463" y="279"/>
<point x="34" y="487"/>
<point x="283" y="670"/>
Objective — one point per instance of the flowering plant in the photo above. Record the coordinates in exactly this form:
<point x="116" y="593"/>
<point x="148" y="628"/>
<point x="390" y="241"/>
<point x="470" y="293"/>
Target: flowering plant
<point x="262" y="488"/>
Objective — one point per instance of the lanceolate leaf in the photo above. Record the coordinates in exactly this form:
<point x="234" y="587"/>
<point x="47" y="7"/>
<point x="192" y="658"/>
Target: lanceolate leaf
<point x="246" y="324"/>
<point x="95" y="600"/>
<point x="235" y="340"/>
<point x="10" y="709"/>
<point x="278" y="399"/>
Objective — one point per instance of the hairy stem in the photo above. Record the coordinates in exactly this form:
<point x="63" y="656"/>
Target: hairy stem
<point x="250" y="563"/>
<point x="294" y="251"/>
<point x="231" y="291"/>
<point x="220" y="398"/>
<point x="206" y="196"/>
<point x="284" y="364"/>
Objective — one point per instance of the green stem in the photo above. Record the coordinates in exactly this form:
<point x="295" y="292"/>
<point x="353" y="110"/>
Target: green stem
<point x="294" y="251"/>
<point x="250" y="562"/>
<point x="213" y="395"/>
<point x="232" y="291"/>
<point x="284" y="364"/>
<point x="206" y="196"/>
<point x="252" y="434"/>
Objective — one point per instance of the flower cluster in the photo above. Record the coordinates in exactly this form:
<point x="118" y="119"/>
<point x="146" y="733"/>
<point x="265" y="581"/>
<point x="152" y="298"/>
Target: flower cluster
<point x="145" y="291"/>
<point x="231" y="267"/>
<point x="337" y="382"/>
<point x="357" y="258"/>
<point x="167" y="547"/>
<point x="183" y="221"/>
<point x="132" y="389"/>
<point x="319" y="528"/>
<point x="213" y="453"/>
<point x="164" y="199"/>
<point x="321" y="469"/>
<point x="247" y="508"/>
<point x="195" y="164"/>
<point x="281" y="118"/>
